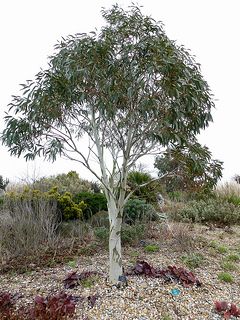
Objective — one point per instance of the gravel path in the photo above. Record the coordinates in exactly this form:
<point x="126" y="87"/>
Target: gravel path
<point x="144" y="298"/>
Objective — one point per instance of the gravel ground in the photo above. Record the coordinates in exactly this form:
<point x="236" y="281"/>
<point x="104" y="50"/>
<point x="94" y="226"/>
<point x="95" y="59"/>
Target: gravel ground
<point x="144" y="298"/>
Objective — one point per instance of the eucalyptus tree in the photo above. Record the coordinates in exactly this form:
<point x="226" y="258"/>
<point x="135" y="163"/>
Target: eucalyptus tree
<point x="128" y="88"/>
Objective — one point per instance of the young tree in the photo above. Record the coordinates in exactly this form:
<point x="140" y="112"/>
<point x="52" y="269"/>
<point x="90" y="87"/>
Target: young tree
<point x="129" y="89"/>
<point x="194" y="170"/>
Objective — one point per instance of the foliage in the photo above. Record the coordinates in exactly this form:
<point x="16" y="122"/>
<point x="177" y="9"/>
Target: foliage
<point x="229" y="192"/>
<point x="102" y="233"/>
<point x="222" y="249"/>
<point x="138" y="210"/>
<point x="67" y="208"/>
<point x="3" y="183"/>
<point x="228" y="266"/>
<point x="151" y="248"/>
<point x="130" y="234"/>
<point x="227" y="309"/>
<point x="193" y="260"/>
<point x="146" y="192"/>
<point x="55" y="307"/>
<point x="100" y="219"/>
<point x="225" y="277"/>
<point x="73" y="279"/>
<point x="171" y="273"/>
<point x="95" y="202"/>
<point x="210" y="210"/>
<point x="64" y="182"/>
<point x="6" y="304"/>
<point x="233" y="257"/>
<point x="190" y="169"/>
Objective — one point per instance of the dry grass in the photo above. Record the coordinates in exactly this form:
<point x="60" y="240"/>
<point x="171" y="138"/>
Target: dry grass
<point x="228" y="189"/>
<point x="25" y="227"/>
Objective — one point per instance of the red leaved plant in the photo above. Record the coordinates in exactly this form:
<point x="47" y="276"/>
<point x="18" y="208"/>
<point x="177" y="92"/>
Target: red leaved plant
<point x="227" y="309"/>
<point x="53" y="307"/>
<point x="172" y="273"/>
<point x="56" y="307"/>
<point x="73" y="279"/>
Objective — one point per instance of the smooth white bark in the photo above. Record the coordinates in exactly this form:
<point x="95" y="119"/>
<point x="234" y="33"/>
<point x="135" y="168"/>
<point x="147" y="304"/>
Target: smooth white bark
<point x="115" y="251"/>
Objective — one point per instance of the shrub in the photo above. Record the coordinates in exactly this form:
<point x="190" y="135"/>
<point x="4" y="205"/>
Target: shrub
<point x="233" y="257"/>
<point x="193" y="260"/>
<point x="95" y="202"/>
<point x="27" y="225"/>
<point x="129" y="234"/>
<point x="211" y="210"/>
<point x="65" y="182"/>
<point x="222" y="249"/>
<point x="69" y="210"/>
<point x="225" y="277"/>
<point x="138" y="210"/>
<point x="148" y="192"/>
<point x="228" y="266"/>
<point x="102" y="233"/>
<point x="151" y="248"/>
<point x="100" y="219"/>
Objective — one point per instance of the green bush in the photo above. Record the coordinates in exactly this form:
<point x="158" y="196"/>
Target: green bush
<point x="102" y="233"/>
<point x="138" y="210"/>
<point x="95" y="202"/>
<point x="193" y="260"/>
<point x="225" y="277"/>
<point x="149" y="191"/>
<point x="151" y="248"/>
<point x="129" y="234"/>
<point x="67" y="209"/>
<point x="65" y="182"/>
<point x="100" y="219"/>
<point x="228" y="266"/>
<point x="233" y="257"/>
<point x="212" y="210"/>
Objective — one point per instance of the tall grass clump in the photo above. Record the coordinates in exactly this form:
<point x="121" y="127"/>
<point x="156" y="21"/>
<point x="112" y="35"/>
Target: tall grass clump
<point x="230" y="192"/>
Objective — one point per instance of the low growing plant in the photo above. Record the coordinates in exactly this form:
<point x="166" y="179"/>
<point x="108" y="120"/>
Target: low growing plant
<point x="225" y="277"/>
<point x="228" y="266"/>
<point x="233" y="257"/>
<point x="151" y="248"/>
<point x="212" y="210"/>
<point x="193" y="260"/>
<point x="222" y="249"/>
<point x="171" y="273"/>
<point x="227" y="309"/>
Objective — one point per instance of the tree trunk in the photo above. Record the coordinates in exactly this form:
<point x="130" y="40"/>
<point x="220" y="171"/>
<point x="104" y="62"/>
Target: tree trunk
<point x="115" y="251"/>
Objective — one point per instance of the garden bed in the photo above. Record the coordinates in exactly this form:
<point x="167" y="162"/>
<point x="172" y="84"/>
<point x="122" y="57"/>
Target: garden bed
<point x="215" y="252"/>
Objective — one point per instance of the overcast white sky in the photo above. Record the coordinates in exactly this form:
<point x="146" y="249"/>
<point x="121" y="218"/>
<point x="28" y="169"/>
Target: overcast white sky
<point x="210" y="29"/>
